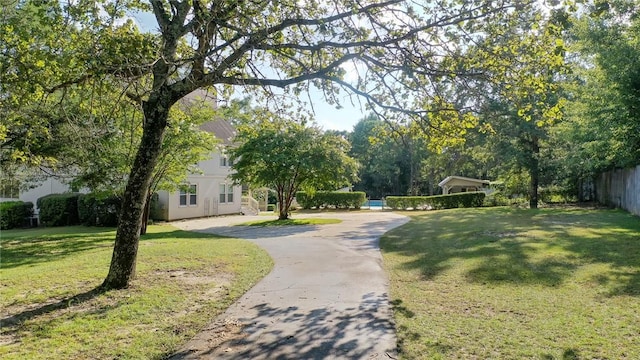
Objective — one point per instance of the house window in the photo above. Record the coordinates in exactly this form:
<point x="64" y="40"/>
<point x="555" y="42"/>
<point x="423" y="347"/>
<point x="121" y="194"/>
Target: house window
<point x="189" y="196"/>
<point x="224" y="161"/>
<point x="226" y="193"/>
<point x="223" y="193"/>
<point x="229" y="193"/>
<point x="193" y="195"/>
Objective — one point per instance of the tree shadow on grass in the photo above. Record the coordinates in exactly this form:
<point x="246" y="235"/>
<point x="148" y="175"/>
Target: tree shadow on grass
<point x="567" y="354"/>
<point x="27" y="250"/>
<point x="10" y="322"/>
<point x="523" y="246"/>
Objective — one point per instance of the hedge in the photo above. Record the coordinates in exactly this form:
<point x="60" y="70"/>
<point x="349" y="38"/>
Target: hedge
<point x="98" y="209"/>
<point x="450" y="201"/>
<point x="59" y="209"/>
<point x="14" y="214"/>
<point x="496" y="198"/>
<point x="337" y="199"/>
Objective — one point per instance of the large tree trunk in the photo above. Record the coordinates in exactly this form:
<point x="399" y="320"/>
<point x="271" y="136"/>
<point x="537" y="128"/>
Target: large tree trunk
<point x="125" y="251"/>
<point x="283" y="209"/>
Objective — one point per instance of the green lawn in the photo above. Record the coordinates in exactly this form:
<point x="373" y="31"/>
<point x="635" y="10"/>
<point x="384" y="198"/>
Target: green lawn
<point x="502" y="283"/>
<point x="51" y="310"/>
<point x="291" y="222"/>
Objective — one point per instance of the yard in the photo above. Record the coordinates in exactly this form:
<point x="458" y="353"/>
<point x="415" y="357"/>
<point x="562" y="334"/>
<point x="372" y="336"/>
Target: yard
<point x="50" y="308"/>
<point x="505" y="283"/>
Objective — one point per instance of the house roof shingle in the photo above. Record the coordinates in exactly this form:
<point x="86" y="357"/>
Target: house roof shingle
<point x="222" y="129"/>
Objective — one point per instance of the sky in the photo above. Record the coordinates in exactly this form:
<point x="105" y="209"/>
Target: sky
<point x="326" y="116"/>
<point x="330" y="118"/>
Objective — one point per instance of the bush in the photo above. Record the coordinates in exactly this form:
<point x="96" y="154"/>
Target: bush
<point x="98" y="209"/>
<point x="15" y="214"/>
<point x="272" y="197"/>
<point x="59" y="209"/>
<point x="556" y="194"/>
<point x="496" y="198"/>
<point x="450" y="201"/>
<point x="155" y="210"/>
<point x="337" y="199"/>
<point x="271" y="207"/>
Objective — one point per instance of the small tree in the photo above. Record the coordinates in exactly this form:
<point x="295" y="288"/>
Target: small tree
<point x="286" y="156"/>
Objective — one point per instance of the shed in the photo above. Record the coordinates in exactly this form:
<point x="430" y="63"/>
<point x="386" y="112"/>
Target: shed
<point x="457" y="184"/>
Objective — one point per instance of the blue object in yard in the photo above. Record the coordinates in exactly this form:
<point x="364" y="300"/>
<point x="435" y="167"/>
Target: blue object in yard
<point x="373" y="204"/>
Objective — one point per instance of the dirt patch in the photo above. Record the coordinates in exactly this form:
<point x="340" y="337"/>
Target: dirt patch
<point x="220" y="332"/>
<point x="199" y="277"/>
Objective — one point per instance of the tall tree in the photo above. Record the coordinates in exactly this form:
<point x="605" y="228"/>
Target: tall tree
<point x="603" y="122"/>
<point x="53" y="58"/>
<point x="378" y="172"/>
<point x="391" y="156"/>
<point x="522" y="108"/>
<point x="286" y="156"/>
<point x="101" y="157"/>
<point x="405" y="52"/>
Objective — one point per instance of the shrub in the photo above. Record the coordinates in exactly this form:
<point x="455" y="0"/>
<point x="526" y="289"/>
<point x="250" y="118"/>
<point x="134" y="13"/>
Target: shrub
<point x="59" y="209"/>
<point x="556" y="194"/>
<point x="98" y="209"/>
<point x="271" y="207"/>
<point x="337" y="199"/>
<point x="155" y="210"/>
<point x="496" y="198"/>
<point x="450" y="201"/>
<point x="14" y="214"/>
<point x="272" y="197"/>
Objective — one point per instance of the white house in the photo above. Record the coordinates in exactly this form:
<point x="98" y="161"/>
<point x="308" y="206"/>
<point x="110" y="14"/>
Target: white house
<point x="457" y="184"/>
<point x="210" y="193"/>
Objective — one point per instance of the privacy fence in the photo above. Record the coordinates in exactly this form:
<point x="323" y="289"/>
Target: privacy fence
<point x="620" y="188"/>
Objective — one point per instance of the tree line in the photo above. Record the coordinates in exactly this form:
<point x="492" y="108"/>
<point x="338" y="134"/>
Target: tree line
<point x="594" y="127"/>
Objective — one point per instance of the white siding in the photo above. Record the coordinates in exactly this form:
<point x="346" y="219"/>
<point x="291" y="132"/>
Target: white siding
<point x="48" y="186"/>
<point x="208" y="199"/>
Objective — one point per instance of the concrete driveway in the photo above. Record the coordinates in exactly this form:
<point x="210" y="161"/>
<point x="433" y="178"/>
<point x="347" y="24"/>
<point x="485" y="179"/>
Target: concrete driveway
<point x="326" y="298"/>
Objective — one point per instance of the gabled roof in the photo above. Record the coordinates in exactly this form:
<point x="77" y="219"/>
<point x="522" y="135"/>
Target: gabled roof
<point x="453" y="177"/>
<point x="222" y="129"/>
<point x="200" y="95"/>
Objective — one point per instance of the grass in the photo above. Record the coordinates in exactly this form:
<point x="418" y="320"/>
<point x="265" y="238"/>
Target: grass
<point x="51" y="309"/>
<point x="504" y="283"/>
<point x="291" y="222"/>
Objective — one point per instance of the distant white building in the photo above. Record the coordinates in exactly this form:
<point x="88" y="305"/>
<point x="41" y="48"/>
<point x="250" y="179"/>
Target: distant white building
<point x="50" y="185"/>
<point x="457" y="184"/>
<point x="210" y="193"/>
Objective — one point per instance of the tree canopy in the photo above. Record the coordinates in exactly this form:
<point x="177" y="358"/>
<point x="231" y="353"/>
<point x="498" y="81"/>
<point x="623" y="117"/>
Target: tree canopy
<point x="286" y="156"/>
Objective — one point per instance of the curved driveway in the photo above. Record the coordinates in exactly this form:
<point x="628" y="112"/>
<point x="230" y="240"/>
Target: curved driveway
<point x="326" y="297"/>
